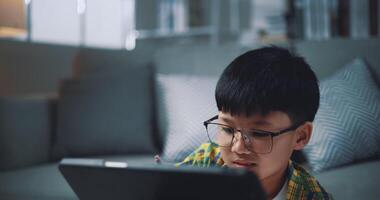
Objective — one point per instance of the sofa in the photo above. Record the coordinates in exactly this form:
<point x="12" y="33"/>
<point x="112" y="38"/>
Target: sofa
<point x="118" y="111"/>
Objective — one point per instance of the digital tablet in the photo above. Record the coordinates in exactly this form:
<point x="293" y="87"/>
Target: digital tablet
<point x="93" y="179"/>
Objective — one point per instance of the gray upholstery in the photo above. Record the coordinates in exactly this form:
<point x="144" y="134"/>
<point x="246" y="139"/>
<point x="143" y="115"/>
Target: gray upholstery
<point x="110" y="115"/>
<point x="358" y="181"/>
<point x="325" y="57"/>
<point x="25" y="131"/>
<point x="42" y="182"/>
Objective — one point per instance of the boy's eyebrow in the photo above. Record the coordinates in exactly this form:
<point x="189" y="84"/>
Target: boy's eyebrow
<point x="226" y="120"/>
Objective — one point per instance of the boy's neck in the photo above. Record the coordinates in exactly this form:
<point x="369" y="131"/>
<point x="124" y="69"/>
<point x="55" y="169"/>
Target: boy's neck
<point x="273" y="184"/>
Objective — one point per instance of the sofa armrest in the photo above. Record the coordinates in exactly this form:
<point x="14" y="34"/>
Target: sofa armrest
<point x="25" y="131"/>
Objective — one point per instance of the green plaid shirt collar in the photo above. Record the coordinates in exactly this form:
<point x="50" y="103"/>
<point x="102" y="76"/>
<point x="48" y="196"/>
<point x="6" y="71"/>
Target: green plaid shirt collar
<point x="302" y="185"/>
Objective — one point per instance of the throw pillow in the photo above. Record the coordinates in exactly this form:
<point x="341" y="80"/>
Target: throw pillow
<point x="347" y="124"/>
<point x="111" y="115"/>
<point x="184" y="103"/>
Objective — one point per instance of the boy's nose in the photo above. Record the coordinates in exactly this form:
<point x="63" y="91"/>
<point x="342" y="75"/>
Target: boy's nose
<point x="239" y="145"/>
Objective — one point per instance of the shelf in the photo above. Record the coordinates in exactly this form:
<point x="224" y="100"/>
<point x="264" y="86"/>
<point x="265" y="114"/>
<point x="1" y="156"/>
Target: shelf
<point x="144" y="34"/>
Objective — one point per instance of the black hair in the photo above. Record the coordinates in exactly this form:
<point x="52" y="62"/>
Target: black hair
<point x="269" y="79"/>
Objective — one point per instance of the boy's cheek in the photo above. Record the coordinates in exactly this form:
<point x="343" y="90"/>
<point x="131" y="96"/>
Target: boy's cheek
<point x="226" y="156"/>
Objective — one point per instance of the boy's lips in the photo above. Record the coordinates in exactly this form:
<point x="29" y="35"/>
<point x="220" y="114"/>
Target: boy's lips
<point x="243" y="164"/>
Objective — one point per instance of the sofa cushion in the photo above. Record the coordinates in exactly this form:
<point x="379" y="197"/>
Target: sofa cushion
<point x="25" y="130"/>
<point x="112" y="115"/>
<point x="357" y="181"/>
<point x="184" y="103"/>
<point x="42" y="182"/>
<point x="347" y="124"/>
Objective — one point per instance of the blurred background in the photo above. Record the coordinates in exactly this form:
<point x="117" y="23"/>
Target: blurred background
<point x="120" y="23"/>
<point x="130" y="24"/>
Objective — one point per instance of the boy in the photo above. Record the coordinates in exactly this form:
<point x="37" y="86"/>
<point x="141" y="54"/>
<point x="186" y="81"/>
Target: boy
<point x="267" y="99"/>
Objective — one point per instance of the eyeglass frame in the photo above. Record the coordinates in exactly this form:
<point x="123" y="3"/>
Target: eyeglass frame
<point x="272" y="134"/>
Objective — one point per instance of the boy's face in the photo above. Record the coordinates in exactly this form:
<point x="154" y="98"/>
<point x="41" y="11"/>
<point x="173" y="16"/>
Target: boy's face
<point x="268" y="165"/>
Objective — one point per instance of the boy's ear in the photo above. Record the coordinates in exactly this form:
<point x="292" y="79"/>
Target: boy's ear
<point x="303" y="135"/>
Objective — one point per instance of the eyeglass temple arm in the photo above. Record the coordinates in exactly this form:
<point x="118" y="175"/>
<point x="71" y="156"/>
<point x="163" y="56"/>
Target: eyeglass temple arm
<point x="288" y="129"/>
<point x="208" y="121"/>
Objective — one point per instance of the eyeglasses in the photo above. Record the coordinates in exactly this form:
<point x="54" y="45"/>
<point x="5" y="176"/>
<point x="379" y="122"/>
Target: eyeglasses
<point x="257" y="141"/>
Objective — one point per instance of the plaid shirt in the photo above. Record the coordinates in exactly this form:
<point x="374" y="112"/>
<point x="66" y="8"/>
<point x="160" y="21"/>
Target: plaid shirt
<point x="301" y="185"/>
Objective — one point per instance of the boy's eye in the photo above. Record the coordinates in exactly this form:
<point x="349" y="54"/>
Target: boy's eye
<point x="258" y="134"/>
